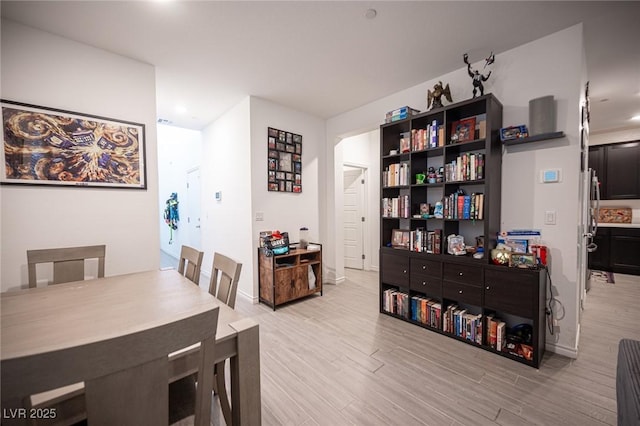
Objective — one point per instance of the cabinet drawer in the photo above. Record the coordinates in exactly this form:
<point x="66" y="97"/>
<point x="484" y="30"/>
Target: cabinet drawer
<point x="395" y="269"/>
<point x="462" y="293"/>
<point x="428" y="285"/>
<point x="511" y="291"/>
<point x="466" y="274"/>
<point x="426" y="268"/>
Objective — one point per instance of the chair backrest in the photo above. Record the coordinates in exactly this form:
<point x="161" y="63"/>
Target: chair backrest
<point x="190" y="263"/>
<point x="224" y="279"/>
<point x="126" y="377"/>
<point x="68" y="262"/>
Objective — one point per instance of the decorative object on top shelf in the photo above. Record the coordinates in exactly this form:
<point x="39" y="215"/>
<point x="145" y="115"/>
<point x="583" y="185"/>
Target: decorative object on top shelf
<point x="542" y="115"/>
<point x="275" y="242"/>
<point x="500" y="257"/>
<point x="455" y="245"/>
<point x="47" y="146"/>
<point x="478" y="79"/>
<point x="434" y="98"/>
<point x="400" y="114"/>
<point x="285" y="161"/>
<point x="513" y="132"/>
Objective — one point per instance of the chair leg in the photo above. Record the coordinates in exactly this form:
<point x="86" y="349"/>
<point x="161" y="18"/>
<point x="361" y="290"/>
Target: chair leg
<point x="221" y="389"/>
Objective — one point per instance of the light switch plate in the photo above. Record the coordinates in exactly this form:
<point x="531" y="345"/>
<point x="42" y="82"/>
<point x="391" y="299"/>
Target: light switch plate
<point x="550" y="217"/>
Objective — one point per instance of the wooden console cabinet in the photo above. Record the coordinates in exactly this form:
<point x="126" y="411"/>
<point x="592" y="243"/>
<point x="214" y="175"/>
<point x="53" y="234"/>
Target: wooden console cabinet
<point x="283" y="278"/>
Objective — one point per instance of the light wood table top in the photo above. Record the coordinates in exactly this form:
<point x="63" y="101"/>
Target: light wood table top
<point x="56" y="317"/>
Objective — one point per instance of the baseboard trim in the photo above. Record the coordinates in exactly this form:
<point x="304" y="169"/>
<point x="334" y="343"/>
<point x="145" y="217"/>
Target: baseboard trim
<point x="251" y="299"/>
<point x="562" y="350"/>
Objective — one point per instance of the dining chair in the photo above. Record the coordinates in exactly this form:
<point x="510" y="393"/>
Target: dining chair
<point x="126" y="377"/>
<point x="68" y="262"/>
<point x="190" y="263"/>
<point x="224" y="286"/>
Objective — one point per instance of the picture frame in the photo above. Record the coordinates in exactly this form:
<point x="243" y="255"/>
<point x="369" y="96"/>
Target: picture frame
<point x="54" y="147"/>
<point x="463" y="130"/>
<point x="284" y="156"/>
<point x="400" y="238"/>
<point x="522" y="260"/>
<point x="513" y="132"/>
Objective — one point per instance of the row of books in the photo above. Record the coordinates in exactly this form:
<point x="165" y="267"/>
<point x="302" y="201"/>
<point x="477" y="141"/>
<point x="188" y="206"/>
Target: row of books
<point x="397" y="174"/>
<point x="496" y="332"/>
<point x="426" y="311"/>
<point x="431" y="137"/>
<point x="468" y="166"/>
<point x="395" y="302"/>
<point x="461" y="323"/>
<point x="396" y="207"/>
<point x="400" y="114"/>
<point x="458" y="206"/>
<point x="424" y="241"/>
<point x="454" y="320"/>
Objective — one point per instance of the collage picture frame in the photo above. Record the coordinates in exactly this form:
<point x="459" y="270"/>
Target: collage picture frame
<point x="284" y="161"/>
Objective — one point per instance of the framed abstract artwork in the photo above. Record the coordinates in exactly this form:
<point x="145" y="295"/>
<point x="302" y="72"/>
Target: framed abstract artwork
<point x="47" y="146"/>
<point x="284" y="159"/>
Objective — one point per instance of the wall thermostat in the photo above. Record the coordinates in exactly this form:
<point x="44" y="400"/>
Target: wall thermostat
<point x="219" y="196"/>
<point x="550" y="176"/>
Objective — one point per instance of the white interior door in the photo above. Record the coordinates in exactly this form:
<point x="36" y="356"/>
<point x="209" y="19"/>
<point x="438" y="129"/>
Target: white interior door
<point x="353" y="215"/>
<point x="193" y="208"/>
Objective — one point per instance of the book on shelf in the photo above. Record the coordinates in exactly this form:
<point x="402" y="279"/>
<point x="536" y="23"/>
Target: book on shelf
<point x="405" y="142"/>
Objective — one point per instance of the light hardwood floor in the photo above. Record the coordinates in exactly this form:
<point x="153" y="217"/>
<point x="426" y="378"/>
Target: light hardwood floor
<point x="334" y="360"/>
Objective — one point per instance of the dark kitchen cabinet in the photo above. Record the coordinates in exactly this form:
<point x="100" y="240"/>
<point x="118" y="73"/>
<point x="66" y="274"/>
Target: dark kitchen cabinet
<point x="625" y="250"/>
<point x="618" y="168"/>
<point x="597" y="163"/>
<point x="599" y="259"/>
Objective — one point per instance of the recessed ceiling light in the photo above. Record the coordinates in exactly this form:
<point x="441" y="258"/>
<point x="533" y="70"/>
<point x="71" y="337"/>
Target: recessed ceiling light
<point x="371" y="13"/>
<point x="636" y="118"/>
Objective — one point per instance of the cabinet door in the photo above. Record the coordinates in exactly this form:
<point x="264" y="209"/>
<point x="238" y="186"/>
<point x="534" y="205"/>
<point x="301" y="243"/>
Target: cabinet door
<point x="599" y="259"/>
<point x="623" y="171"/>
<point x="285" y="284"/>
<point x="597" y="163"/>
<point x="395" y="269"/>
<point x="512" y="291"/>
<point x="625" y="250"/>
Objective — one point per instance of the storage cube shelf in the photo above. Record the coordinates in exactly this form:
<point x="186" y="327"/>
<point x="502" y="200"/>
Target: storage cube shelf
<point x="457" y="295"/>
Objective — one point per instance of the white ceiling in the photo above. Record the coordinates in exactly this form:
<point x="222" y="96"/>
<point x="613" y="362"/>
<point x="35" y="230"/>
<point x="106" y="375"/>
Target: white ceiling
<point x="326" y="58"/>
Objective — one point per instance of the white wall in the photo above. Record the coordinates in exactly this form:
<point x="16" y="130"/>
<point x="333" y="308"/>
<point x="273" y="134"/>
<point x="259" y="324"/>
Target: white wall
<point x="285" y="211"/>
<point x="363" y="150"/>
<point x="179" y="150"/>
<point x="42" y="69"/>
<point x="226" y="167"/>
<point x="518" y="76"/>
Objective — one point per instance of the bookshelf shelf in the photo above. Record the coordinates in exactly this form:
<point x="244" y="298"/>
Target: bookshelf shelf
<point x="423" y="285"/>
<point x="536" y="138"/>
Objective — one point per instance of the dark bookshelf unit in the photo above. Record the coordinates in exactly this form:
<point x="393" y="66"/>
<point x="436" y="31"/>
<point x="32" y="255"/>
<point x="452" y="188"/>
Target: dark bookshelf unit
<point x="456" y="295"/>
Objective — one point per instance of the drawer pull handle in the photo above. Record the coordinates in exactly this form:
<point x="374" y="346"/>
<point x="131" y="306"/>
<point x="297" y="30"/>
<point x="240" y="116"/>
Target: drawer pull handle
<point x="424" y="267"/>
<point x="460" y="291"/>
<point x="460" y="273"/>
<point x="424" y="283"/>
<point x="404" y="272"/>
<point x="488" y="288"/>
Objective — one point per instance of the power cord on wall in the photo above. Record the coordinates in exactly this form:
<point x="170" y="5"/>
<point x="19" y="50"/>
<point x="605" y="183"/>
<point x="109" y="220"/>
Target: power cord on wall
<point x="549" y="309"/>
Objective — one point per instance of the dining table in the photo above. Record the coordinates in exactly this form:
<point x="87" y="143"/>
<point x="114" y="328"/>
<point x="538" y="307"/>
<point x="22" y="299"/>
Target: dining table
<point x="38" y="321"/>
